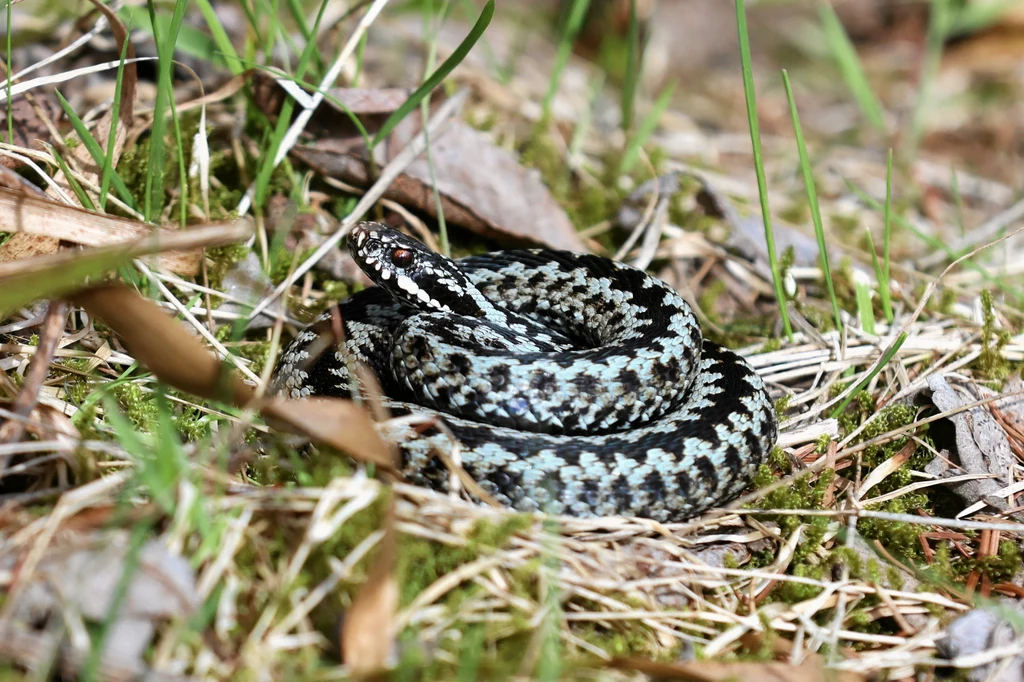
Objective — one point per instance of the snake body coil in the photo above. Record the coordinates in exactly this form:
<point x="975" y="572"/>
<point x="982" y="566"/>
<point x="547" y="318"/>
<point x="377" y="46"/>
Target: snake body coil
<point x="574" y="384"/>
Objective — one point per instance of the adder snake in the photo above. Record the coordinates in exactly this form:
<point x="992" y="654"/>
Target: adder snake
<point x="575" y="384"/>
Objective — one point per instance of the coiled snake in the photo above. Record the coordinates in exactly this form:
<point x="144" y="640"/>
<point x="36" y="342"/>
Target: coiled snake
<point x="575" y="384"/>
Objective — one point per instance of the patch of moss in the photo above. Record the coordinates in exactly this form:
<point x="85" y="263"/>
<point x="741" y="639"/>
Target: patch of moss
<point x="820" y="317"/>
<point x="803" y="493"/>
<point x="76" y="390"/>
<point x="991" y="360"/>
<point x="586" y="203"/>
<point x="821" y="446"/>
<point x="899" y="539"/>
<point x="889" y="419"/>
<point x="622" y="639"/>
<point x="220" y="259"/>
<point x="1002" y="566"/>
<point x="782" y="404"/>
<point x="254" y="351"/>
<point x="792" y="592"/>
<point x="138" y="405"/>
<point x="192" y="423"/>
<point x="421" y="562"/>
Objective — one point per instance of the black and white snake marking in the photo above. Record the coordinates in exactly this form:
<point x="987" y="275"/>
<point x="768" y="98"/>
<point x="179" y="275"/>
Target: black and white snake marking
<point x="575" y="384"/>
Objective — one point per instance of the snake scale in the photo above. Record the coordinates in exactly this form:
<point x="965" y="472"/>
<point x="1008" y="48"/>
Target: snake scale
<point x="574" y="384"/>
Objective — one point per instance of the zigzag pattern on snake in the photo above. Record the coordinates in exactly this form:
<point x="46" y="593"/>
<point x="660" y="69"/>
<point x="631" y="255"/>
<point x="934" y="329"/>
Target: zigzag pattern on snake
<point x="574" y="384"/>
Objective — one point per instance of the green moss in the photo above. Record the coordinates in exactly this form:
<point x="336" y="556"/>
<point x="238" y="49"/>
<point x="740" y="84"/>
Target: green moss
<point x="623" y="639"/>
<point x="791" y="592"/>
<point x="1003" y="566"/>
<point x="586" y="203"/>
<point x="220" y="259"/>
<point x="255" y="351"/>
<point x="820" y="317"/>
<point x="899" y="539"/>
<point x="888" y="419"/>
<point x="281" y="261"/>
<point x="139" y="406"/>
<point x="422" y="562"/>
<point x="991" y="360"/>
<point x="804" y="493"/>
<point x="192" y="423"/>
<point x="821" y="446"/>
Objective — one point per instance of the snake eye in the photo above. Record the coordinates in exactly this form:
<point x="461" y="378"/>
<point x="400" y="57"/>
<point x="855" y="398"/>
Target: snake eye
<point x="401" y="258"/>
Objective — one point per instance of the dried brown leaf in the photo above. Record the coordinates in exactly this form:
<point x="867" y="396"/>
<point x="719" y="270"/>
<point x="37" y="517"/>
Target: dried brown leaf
<point x="22" y="246"/>
<point x="161" y="343"/>
<point x="331" y="120"/>
<point x="367" y="640"/>
<point x="483" y="187"/>
<point x="29" y="127"/>
<point x="339" y="423"/>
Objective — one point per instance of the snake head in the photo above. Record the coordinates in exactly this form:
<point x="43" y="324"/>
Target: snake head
<point x="410" y="272"/>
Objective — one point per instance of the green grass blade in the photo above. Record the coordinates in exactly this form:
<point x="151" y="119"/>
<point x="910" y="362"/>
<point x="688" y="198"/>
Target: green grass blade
<point x="864" y="382"/>
<point x="879" y="271"/>
<point x="939" y="245"/>
<point x="762" y="183"/>
<point x="958" y="200"/>
<point x="8" y="79"/>
<point x="129" y="567"/>
<point x="284" y="118"/>
<point x="220" y="37"/>
<point x="296" y="10"/>
<point x="115" y="108"/>
<point x="164" y="37"/>
<point x="442" y="224"/>
<point x="577" y="12"/>
<point x="862" y="292"/>
<point x="191" y="41"/>
<point x="633" y="68"/>
<point x="439" y="75"/>
<point x="646" y="129"/>
<point x="21" y="289"/>
<point x="850" y="66"/>
<point x="812" y="198"/>
<point x="182" y="172"/>
<point x="83" y="198"/>
<point x="938" y="26"/>
<point x="97" y="153"/>
<point x="883" y="280"/>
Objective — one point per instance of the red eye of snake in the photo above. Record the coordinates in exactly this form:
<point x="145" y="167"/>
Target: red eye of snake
<point x="401" y="258"/>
